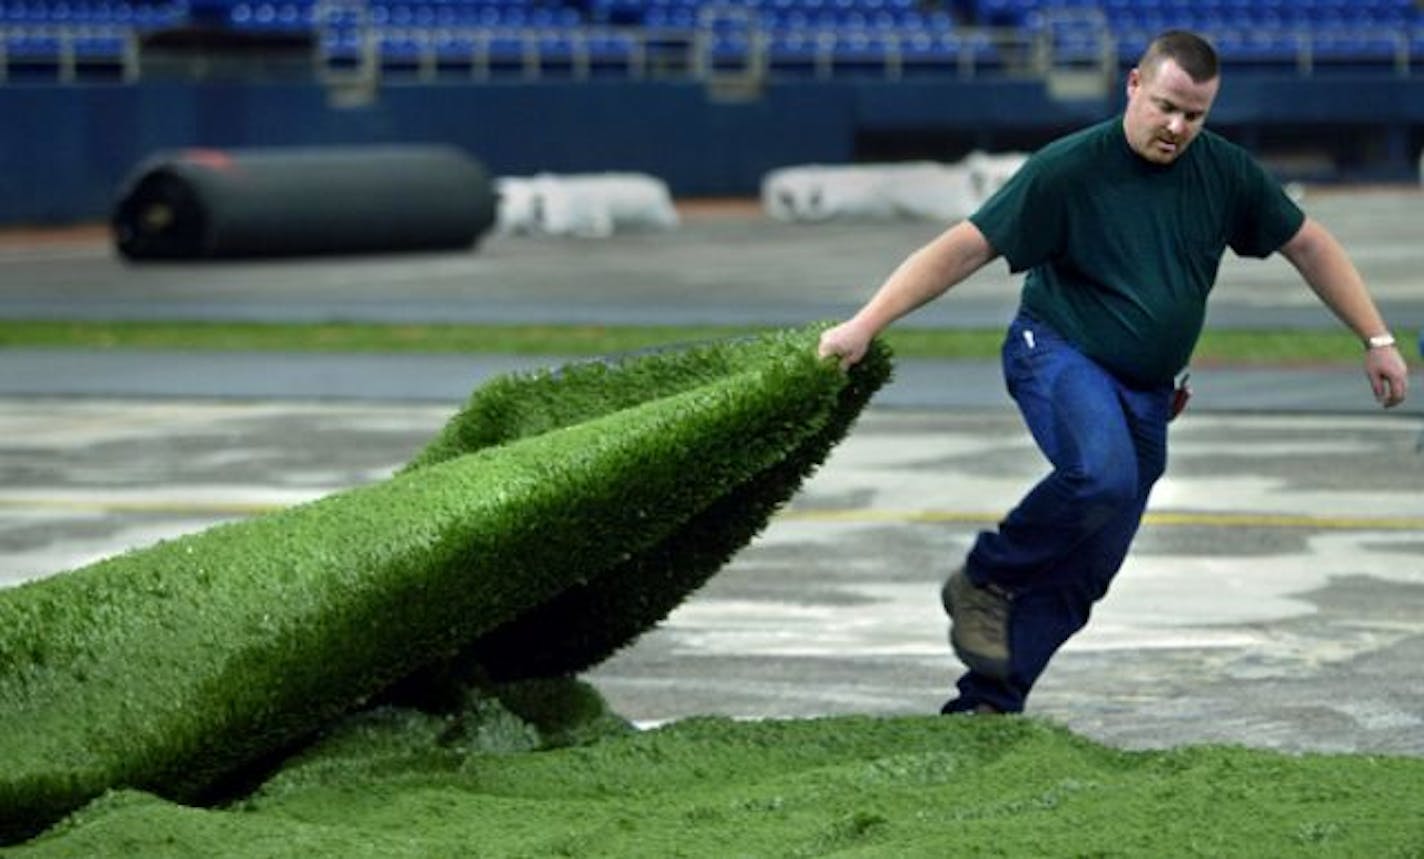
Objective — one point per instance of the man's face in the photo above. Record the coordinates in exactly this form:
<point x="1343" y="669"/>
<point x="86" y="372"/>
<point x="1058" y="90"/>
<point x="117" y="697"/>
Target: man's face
<point x="1165" y="110"/>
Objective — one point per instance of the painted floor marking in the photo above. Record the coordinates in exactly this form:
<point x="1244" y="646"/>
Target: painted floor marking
<point x="1167" y="518"/>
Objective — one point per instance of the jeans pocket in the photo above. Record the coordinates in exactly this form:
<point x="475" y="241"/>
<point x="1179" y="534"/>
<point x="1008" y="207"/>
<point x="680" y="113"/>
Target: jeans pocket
<point x="1019" y="352"/>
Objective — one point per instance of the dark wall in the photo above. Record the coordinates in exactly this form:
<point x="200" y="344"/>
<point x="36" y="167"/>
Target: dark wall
<point x="64" y="150"/>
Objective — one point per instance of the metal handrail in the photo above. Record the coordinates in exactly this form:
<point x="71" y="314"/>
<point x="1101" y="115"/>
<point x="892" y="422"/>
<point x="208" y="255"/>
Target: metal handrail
<point x="693" y="52"/>
<point x="670" y="52"/>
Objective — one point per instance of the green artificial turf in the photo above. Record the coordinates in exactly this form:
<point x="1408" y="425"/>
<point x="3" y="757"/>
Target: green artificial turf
<point x="589" y="621"/>
<point x="173" y="667"/>
<point x="540" y="768"/>
<point x="1216" y="346"/>
<point x="483" y="782"/>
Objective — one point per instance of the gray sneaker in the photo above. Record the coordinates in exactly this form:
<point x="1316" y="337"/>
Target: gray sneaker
<point x="979" y="628"/>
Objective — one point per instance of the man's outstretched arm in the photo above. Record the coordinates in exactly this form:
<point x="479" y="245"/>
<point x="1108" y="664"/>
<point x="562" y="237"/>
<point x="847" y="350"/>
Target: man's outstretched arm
<point x="925" y="275"/>
<point x="1320" y="259"/>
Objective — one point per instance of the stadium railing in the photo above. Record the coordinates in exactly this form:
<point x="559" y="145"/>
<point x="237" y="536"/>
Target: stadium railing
<point x="71" y="40"/>
<point x="755" y="40"/>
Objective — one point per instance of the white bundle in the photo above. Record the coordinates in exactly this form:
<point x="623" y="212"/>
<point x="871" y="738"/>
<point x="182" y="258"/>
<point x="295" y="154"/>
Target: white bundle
<point x="587" y="205"/>
<point x="517" y="211"/>
<point x="934" y="192"/>
<point x="918" y="189"/>
<point x="988" y="172"/>
<point x="821" y="192"/>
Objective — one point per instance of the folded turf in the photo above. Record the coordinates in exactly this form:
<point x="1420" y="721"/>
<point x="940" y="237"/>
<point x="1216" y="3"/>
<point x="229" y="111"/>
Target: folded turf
<point x="170" y="667"/>
<point x="590" y="621"/>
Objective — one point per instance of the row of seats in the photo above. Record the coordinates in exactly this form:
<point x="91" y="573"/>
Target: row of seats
<point x="533" y="52"/>
<point x="293" y="15"/>
<point x="927" y="49"/>
<point x="499" y="51"/>
<point x="139" y="15"/>
<point x="1275" y="48"/>
<point x="1015" y="13"/>
<point x="625" y="53"/>
<point x="610" y="53"/>
<point x="783" y="14"/>
<point x="404" y="15"/>
<point x="88" y="53"/>
<point x="813" y="14"/>
<point x="1198" y="20"/>
<point x="23" y="44"/>
<point x="1214" y="15"/>
<point x="521" y="34"/>
<point x="596" y="7"/>
<point x="633" y="11"/>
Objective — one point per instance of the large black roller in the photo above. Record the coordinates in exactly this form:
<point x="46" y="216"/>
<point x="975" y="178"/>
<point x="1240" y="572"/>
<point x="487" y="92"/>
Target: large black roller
<point x="270" y="202"/>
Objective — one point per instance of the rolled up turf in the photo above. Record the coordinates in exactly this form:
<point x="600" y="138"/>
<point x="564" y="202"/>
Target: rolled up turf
<point x="211" y="203"/>
<point x="169" y="668"/>
<point x="590" y="621"/>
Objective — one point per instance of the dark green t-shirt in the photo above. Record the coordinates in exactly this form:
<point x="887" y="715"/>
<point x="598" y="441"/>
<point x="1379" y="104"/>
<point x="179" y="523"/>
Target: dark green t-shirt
<point x="1121" y="252"/>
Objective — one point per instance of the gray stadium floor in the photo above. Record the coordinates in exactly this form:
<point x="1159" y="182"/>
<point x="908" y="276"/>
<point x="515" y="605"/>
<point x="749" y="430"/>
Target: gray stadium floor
<point x="1275" y="598"/>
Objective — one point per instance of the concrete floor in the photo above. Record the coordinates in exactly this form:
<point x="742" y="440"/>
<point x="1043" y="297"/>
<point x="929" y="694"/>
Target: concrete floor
<point x="1275" y="597"/>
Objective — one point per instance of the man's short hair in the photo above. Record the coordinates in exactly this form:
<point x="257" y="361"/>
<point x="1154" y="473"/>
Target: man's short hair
<point x="1192" y="54"/>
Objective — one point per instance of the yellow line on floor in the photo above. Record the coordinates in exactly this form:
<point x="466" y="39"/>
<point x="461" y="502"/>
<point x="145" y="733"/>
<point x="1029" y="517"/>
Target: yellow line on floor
<point x="829" y="515"/>
<point x="1164" y="518"/>
<point x="110" y="505"/>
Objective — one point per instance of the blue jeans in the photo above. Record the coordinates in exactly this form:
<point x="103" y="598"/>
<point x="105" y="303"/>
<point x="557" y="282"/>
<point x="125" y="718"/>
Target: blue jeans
<point x="1058" y="550"/>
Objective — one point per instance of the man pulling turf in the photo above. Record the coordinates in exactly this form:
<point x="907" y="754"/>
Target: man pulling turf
<point x="1121" y="228"/>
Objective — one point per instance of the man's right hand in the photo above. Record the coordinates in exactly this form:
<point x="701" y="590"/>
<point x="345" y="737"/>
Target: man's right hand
<point x="1388" y="375"/>
<point x="846" y="342"/>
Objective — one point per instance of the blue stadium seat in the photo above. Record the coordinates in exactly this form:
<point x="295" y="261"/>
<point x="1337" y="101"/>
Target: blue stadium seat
<point x="152" y="16"/>
<point x="341" y="47"/>
<point x="617" y="13"/>
<point x="859" y="52"/>
<point x="1355" y="50"/>
<point x="285" y="17"/>
<point x="931" y="53"/>
<point x="730" y="50"/>
<point x="113" y="13"/>
<point x="560" y="54"/>
<point x="1003" y="13"/>
<point x="99" y="45"/>
<point x="1131" y="44"/>
<point x="671" y="17"/>
<point x="32" y="46"/>
<point x="796" y="53"/>
<point x="612" y="54"/>
<point x="401" y="51"/>
<point x="454" y="51"/>
<point x="505" y="53"/>
<point x="84" y="12"/>
<point x="1260" y="48"/>
<point x="917" y="20"/>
